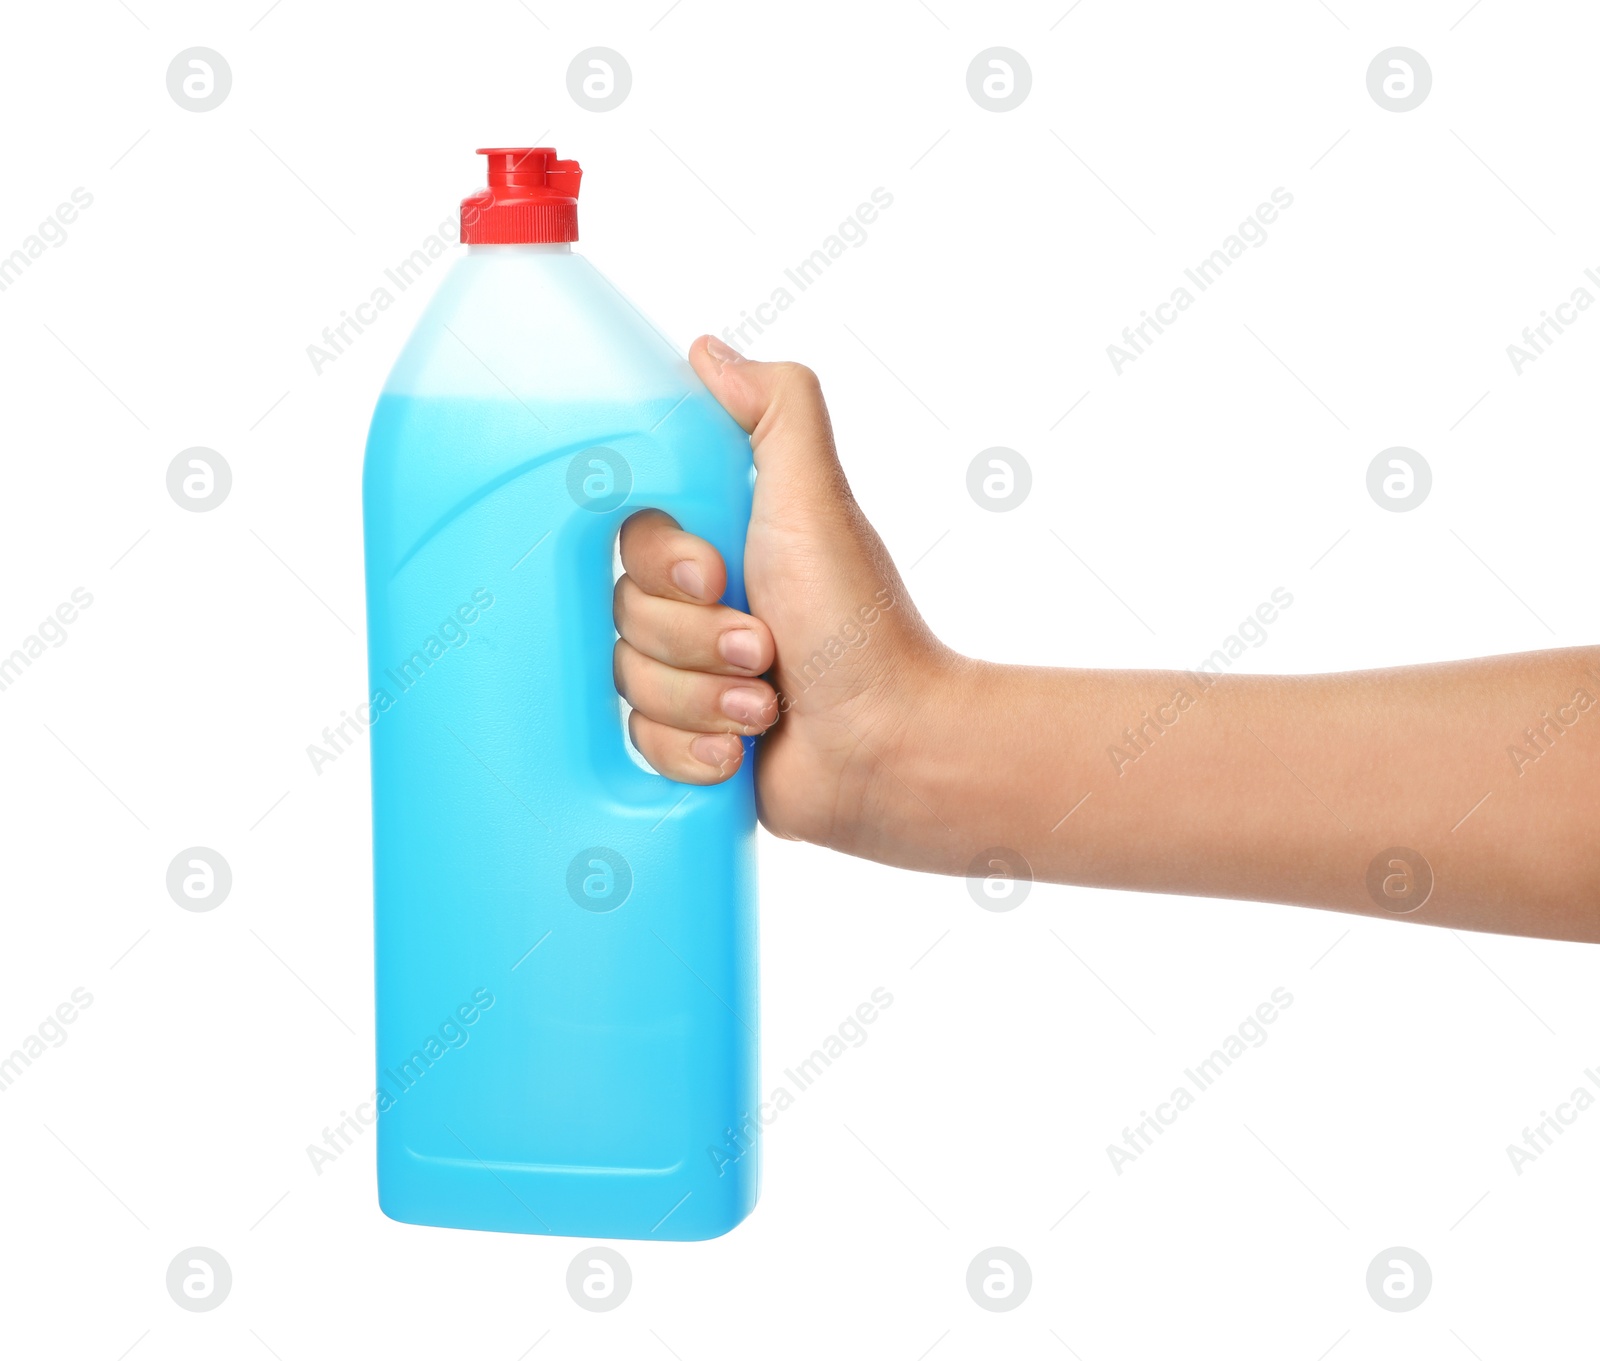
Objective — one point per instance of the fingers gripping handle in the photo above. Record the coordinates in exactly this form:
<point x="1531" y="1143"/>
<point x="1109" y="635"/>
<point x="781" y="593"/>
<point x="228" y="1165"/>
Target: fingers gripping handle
<point x="607" y="484"/>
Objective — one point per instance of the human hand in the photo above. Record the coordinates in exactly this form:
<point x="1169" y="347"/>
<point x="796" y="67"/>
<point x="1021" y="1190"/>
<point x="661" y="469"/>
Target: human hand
<point x="833" y="656"/>
<point x="883" y="743"/>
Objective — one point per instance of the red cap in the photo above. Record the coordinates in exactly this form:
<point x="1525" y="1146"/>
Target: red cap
<point x="531" y="197"/>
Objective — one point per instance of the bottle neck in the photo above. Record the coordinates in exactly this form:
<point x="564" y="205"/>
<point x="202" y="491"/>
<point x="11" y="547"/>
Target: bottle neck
<point x="522" y="247"/>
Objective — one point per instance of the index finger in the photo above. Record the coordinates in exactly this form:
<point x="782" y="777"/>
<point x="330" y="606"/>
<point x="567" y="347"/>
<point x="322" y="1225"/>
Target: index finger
<point x="665" y="560"/>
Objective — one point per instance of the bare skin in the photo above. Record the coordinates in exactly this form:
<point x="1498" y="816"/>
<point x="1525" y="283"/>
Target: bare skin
<point x="1350" y="792"/>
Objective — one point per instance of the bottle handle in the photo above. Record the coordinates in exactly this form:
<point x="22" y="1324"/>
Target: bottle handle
<point x="586" y="547"/>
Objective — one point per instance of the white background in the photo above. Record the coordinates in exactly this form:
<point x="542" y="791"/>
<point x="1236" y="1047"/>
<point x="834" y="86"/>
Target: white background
<point x="1223" y="463"/>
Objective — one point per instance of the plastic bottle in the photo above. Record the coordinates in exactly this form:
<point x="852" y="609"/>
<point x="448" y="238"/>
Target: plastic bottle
<point x="565" y="941"/>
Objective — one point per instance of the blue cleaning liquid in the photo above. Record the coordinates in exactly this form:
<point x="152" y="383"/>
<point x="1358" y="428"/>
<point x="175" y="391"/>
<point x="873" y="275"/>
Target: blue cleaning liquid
<point x="565" y="941"/>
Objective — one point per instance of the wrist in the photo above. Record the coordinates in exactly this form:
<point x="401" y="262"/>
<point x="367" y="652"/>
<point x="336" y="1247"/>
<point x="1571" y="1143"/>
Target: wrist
<point x="923" y="763"/>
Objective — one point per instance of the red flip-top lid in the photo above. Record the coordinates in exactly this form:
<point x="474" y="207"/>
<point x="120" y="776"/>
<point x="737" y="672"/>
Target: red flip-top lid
<point x="531" y="197"/>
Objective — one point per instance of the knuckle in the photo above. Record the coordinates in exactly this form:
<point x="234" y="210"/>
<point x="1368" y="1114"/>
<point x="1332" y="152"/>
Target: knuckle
<point x="680" y="543"/>
<point x="642" y="529"/>
<point x="677" y="692"/>
<point x="646" y="737"/>
<point x="641" y="520"/>
<point x="684" y="637"/>
<point x="798" y="379"/>
<point x="622" y="604"/>
<point x="625" y="672"/>
<point x="628" y="540"/>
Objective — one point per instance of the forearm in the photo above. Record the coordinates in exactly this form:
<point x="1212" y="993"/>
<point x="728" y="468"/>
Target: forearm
<point x="1280" y="789"/>
<point x="1463" y="794"/>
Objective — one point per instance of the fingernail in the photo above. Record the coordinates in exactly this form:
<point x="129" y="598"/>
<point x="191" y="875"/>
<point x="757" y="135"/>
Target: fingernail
<point x="740" y="648"/>
<point x="713" y="750"/>
<point x="744" y="705"/>
<point x="723" y="354"/>
<point x="686" y="577"/>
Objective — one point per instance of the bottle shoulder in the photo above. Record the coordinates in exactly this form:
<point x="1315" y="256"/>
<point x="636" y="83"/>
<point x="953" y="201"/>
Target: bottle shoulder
<point x="538" y="327"/>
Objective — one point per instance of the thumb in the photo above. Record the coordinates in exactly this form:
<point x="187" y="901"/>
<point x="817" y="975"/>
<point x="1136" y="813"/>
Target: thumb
<point x="816" y="571"/>
<point x="780" y="406"/>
